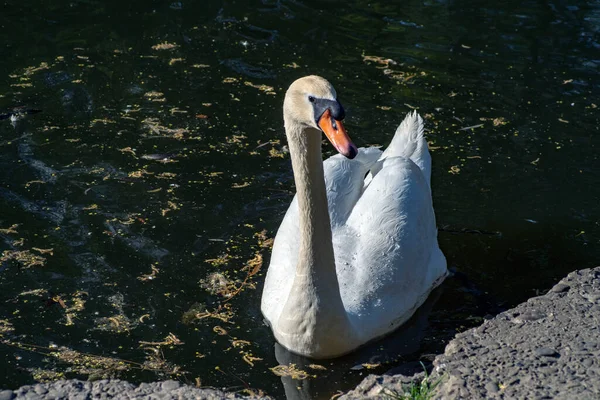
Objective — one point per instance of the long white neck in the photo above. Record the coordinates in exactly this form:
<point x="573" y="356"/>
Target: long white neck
<point x="313" y="317"/>
<point x="316" y="249"/>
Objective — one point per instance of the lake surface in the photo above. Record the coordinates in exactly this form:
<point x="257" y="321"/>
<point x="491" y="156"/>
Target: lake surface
<point x="138" y="205"/>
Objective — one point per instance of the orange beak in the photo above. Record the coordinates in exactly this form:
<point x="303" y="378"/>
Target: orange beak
<point x="336" y="133"/>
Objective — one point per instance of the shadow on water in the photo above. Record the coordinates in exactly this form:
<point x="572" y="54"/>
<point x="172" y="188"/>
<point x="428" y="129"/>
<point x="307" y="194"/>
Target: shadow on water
<point x="139" y="205"/>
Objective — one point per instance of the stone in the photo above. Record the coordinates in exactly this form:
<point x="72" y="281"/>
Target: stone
<point x="170" y="385"/>
<point x="492" y="387"/>
<point x="543" y="348"/>
<point x="546" y="352"/>
<point x="7" y="395"/>
<point x="560" y="288"/>
<point x="531" y="315"/>
<point x="114" y="388"/>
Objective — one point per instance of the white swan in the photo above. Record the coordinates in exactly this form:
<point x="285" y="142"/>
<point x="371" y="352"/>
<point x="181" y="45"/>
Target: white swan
<point x="357" y="251"/>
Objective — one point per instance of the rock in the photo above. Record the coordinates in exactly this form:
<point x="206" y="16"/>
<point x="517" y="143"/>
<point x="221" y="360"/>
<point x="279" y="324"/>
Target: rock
<point x="560" y="288"/>
<point x="546" y="347"/>
<point x="40" y="389"/>
<point x="531" y="314"/>
<point x="547" y="352"/>
<point x="170" y="385"/>
<point x="492" y="387"/>
<point x="384" y="386"/>
<point x="114" y="388"/>
<point x="6" y="395"/>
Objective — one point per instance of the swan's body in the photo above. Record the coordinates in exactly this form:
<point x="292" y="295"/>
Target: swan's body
<point x="357" y="251"/>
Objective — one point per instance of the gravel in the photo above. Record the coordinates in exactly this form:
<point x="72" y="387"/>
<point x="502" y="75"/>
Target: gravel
<point x="115" y="389"/>
<point x="545" y="348"/>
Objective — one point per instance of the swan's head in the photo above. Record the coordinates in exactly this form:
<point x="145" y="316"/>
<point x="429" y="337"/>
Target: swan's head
<point x="312" y="102"/>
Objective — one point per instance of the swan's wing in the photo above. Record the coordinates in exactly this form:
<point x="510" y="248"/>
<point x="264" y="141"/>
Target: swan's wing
<point x="282" y="266"/>
<point x="396" y="260"/>
<point x="387" y="255"/>
<point x="344" y="180"/>
<point x="409" y="141"/>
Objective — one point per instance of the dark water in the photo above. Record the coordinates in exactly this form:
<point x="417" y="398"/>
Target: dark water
<point x="149" y="182"/>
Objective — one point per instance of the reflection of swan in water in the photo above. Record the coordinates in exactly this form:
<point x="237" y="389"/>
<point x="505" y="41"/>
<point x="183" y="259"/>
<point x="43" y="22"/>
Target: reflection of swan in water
<point x="354" y="256"/>
<point x="403" y="342"/>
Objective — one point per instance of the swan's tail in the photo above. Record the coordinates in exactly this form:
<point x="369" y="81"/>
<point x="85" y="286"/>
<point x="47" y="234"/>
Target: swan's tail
<point x="409" y="141"/>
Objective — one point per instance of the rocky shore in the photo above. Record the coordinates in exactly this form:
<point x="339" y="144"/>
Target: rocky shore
<point x="115" y="389"/>
<point x="545" y="348"/>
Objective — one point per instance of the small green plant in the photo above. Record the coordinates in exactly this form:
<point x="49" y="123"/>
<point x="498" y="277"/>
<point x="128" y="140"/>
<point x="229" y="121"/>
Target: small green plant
<point x="423" y="390"/>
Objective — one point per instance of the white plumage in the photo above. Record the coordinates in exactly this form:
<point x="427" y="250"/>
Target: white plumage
<point x="384" y="237"/>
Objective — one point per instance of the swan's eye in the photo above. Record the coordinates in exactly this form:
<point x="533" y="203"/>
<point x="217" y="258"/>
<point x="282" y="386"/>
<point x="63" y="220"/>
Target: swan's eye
<point x="311" y="99"/>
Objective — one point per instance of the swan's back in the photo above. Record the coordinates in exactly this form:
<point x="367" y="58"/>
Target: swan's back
<point x="394" y="261"/>
<point x="397" y="261"/>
